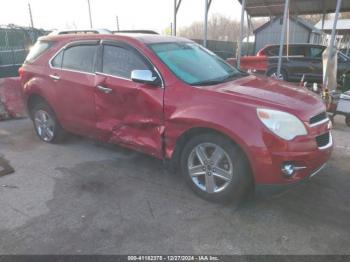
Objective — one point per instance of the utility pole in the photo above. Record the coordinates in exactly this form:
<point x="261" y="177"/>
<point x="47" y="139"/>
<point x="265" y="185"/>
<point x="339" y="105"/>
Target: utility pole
<point x="205" y="29"/>
<point x="30" y="15"/>
<point x="90" y="13"/>
<point x="117" y="18"/>
<point x="177" y="4"/>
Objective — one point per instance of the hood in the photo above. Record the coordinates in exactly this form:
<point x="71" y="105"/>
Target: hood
<point x="261" y="91"/>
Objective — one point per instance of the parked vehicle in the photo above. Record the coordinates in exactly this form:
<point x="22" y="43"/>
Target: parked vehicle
<point x="301" y="59"/>
<point x="171" y="98"/>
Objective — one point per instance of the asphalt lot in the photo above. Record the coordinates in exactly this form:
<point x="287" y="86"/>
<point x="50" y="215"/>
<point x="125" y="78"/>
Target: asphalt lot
<point x="83" y="197"/>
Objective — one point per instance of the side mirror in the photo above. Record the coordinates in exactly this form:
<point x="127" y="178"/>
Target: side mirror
<point x="144" y="76"/>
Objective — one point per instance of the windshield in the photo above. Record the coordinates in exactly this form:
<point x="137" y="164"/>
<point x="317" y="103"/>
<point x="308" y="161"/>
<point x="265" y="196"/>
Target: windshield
<point x="194" y="64"/>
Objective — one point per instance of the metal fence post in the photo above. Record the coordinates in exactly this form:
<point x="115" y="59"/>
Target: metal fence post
<point x="331" y="43"/>
<point x="283" y="34"/>
<point x="240" y="42"/>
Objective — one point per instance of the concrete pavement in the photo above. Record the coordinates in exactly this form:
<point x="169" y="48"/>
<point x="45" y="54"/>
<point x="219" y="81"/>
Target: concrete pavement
<point x="84" y="197"/>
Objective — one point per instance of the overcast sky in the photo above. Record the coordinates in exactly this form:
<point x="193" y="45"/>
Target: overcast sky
<point x="133" y="14"/>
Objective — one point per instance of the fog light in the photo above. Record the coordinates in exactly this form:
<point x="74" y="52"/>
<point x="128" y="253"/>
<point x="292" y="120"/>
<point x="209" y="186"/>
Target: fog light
<point x="288" y="169"/>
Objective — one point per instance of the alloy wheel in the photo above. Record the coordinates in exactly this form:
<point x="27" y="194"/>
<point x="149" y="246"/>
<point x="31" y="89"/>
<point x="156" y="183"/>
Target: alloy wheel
<point x="210" y="167"/>
<point x="45" y="125"/>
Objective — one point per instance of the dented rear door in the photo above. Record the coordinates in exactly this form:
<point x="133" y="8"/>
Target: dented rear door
<point x="127" y="112"/>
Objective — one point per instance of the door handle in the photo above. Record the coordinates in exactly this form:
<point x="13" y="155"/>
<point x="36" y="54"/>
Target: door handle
<point x="54" y="77"/>
<point x="105" y="90"/>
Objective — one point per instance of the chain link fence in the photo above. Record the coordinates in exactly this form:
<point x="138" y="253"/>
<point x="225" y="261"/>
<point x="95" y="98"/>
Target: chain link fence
<point x="14" y="46"/>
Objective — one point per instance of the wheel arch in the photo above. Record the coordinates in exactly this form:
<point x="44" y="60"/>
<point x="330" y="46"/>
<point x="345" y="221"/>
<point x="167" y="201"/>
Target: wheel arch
<point x="35" y="98"/>
<point x="32" y="100"/>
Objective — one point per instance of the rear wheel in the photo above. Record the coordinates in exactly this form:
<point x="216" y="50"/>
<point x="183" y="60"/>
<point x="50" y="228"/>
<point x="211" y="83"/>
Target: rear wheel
<point x="215" y="168"/>
<point x="46" y="125"/>
<point x="347" y="120"/>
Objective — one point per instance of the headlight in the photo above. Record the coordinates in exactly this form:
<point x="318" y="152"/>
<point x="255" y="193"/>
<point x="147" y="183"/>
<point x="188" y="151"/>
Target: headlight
<point x="285" y="125"/>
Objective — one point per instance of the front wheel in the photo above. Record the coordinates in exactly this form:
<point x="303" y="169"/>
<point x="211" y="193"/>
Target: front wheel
<point x="215" y="168"/>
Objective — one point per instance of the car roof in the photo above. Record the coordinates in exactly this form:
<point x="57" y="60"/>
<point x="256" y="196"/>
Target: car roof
<point x="295" y="44"/>
<point x="143" y="38"/>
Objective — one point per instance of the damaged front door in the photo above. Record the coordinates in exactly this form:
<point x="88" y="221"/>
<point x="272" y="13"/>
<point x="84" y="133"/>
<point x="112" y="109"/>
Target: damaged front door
<point x="127" y="112"/>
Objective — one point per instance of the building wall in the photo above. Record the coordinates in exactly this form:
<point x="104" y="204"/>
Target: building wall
<point x="271" y="34"/>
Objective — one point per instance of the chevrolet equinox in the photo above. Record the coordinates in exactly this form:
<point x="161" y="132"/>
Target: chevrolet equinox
<point x="169" y="97"/>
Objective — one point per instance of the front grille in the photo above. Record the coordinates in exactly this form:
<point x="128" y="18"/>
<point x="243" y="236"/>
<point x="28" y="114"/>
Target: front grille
<point x="323" y="140"/>
<point x="318" y="118"/>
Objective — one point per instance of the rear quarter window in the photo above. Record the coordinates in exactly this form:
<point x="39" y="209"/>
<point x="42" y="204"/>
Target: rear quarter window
<point x="57" y="61"/>
<point x="38" y="49"/>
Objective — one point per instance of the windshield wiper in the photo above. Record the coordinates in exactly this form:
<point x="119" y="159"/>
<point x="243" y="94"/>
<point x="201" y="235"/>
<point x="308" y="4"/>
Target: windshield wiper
<point x="207" y="83"/>
<point x="218" y="81"/>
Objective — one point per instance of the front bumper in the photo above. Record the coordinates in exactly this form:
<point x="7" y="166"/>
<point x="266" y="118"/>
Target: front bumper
<point x="270" y="189"/>
<point x="303" y="152"/>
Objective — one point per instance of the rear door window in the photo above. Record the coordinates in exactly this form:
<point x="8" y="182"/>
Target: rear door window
<point x="80" y="58"/>
<point x="119" y="61"/>
<point x="39" y="48"/>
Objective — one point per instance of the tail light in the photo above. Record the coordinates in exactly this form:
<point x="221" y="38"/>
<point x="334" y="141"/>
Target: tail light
<point x="21" y="72"/>
<point x="261" y="53"/>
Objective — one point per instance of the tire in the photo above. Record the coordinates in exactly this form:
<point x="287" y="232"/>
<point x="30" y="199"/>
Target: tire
<point x="46" y="125"/>
<point x="233" y="162"/>
<point x="347" y="120"/>
<point x="273" y="73"/>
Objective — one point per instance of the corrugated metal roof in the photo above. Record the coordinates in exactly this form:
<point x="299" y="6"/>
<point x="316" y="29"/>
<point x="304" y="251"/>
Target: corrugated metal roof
<point x="342" y="25"/>
<point x="261" y="8"/>
<point x="299" y="20"/>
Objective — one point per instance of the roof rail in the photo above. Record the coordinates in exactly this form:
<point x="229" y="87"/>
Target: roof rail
<point x="81" y="31"/>
<point x="151" y="32"/>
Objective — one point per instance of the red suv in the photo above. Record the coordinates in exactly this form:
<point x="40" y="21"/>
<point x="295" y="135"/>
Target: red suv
<point x="173" y="99"/>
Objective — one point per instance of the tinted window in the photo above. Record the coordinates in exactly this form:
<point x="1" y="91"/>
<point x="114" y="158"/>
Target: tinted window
<point x="57" y="61"/>
<point x="316" y="52"/>
<point x="120" y="62"/>
<point x="271" y="51"/>
<point x="39" y="48"/>
<point x="80" y="58"/>
<point x="296" y="51"/>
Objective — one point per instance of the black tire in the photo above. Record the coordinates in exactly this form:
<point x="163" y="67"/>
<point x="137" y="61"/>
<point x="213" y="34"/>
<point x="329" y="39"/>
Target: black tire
<point x="58" y="132"/>
<point x="347" y="120"/>
<point x="273" y="72"/>
<point x="241" y="180"/>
